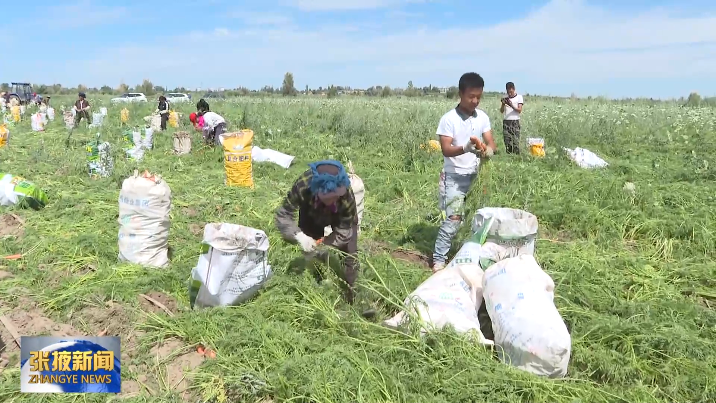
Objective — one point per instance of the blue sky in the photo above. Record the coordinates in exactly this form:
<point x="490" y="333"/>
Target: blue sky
<point x="651" y="48"/>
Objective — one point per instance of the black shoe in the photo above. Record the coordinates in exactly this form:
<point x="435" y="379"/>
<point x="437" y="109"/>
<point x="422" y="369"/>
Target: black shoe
<point x="369" y="313"/>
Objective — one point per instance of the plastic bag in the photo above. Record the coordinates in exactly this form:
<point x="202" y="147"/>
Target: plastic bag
<point x="585" y="158"/>
<point x="514" y="230"/>
<point x="269" y="155"/>
<point x="237" y="158"/>
<point x="519" y="297"/>
<point x="144" y="207"/>
<point x="536" y="146"/>
<point x="233" y="266"/>
<point x="15" y="190"/>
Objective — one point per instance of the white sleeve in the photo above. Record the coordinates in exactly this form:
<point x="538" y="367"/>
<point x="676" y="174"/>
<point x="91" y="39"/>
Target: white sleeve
<point x="520" y="100"/>
<point x="486" y="127"/>
<point x="445" y="127"/>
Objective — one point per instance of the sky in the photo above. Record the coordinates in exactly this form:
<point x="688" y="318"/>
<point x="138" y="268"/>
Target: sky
<point x="612" y="48"/>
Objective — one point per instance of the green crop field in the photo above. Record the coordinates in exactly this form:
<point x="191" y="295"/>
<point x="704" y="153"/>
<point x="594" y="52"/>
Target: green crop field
<point x="634" y="269"/>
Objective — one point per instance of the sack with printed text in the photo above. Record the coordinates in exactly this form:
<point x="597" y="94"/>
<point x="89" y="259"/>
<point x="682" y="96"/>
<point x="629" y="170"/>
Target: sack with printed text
<point x="144" y="207"/>
<point x="232" y="268"/>
<point x="519" y="297"/>
<point x="16" y="191"/>
<point x="515" y="230"/>
<point x="453" y="296"/>
<point x="237" y="158"/>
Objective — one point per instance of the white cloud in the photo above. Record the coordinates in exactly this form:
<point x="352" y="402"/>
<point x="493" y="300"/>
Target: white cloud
<point x="334" y="5"/>
<point x="565" y="41"/>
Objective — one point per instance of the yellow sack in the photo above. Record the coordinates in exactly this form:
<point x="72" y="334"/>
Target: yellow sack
<point x="173" y="119"/>
<point x="4" y="136"/>
<point x="237" y="158"/>
<point x="536" y="146"/>
<point x="15" y="110"/>
<point x="124" y="115"/>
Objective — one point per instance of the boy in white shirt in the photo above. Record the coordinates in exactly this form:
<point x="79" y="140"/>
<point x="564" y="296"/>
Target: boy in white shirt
<point x="511" y="107"/>
<point x="461" y="158"/>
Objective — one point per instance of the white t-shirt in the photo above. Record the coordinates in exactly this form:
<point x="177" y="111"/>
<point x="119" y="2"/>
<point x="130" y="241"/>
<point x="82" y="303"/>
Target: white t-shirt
<point x="511" y="114"/>
<point x="212" y="120"/>
<point x="460" y="127"/>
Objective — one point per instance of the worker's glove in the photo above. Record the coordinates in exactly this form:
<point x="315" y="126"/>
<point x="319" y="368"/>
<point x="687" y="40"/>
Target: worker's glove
<point x="489" y="152"/>
<point x="470" y="148"/>
<point x="307" y="243"/>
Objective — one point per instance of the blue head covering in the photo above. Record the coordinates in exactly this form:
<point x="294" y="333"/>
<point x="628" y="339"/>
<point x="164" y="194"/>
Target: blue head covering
<point x="325" y="182"/>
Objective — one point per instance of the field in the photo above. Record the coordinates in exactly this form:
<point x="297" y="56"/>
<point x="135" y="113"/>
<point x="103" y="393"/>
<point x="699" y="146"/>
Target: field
<point x="635" y="271"/>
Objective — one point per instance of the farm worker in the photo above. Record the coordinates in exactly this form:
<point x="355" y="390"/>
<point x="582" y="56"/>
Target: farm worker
<point x="202" y="106"/>
<point x="196" y="121"/>
<point x="511" y="108"/>
<point x="463" y="132"/>
<point x="81" y="108"/>
<point x="163" y="110"/>
<point x="214" y="127"/>
<point x="323" y="196"/>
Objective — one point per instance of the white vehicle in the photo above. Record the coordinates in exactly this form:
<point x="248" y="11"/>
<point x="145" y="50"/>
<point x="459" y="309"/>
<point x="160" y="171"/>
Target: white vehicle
<point x="130" y="97"/>
<point x="178" y="97"/>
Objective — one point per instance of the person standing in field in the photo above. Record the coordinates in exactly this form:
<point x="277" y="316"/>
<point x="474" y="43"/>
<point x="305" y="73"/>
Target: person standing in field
<point x="322" y="196"/>
<point x="163" y="110"/>
<point x="511" y="108"/>
<point x="462" y="132"/>
<point x="81" y="108"/>
<point x="202" y="106"/>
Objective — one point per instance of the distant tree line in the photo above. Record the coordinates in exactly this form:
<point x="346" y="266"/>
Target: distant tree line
<point x="330" y="91"/>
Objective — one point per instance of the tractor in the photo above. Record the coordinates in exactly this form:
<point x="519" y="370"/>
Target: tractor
<point x="23" y="93"/>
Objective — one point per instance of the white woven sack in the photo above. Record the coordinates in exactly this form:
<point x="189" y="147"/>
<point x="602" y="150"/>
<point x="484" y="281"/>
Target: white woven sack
<point x="513" y="229"/>
<point x="144" y="208"/>
<point x="182" y="143"/>
<point x="519" y="297"/>
<point x="233" y="266"/>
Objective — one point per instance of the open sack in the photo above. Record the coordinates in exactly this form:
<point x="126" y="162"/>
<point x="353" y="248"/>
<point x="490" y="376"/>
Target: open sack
<point x="497" y="265"/>
<point x="232" y="268"/>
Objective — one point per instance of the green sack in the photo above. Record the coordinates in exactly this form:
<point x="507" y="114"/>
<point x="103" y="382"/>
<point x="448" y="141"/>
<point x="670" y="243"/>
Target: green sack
<point x="16" y="191"/>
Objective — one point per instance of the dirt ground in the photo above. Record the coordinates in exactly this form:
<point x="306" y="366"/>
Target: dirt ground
<point x="167" y="369"/>
<point x="11" y="225"/>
